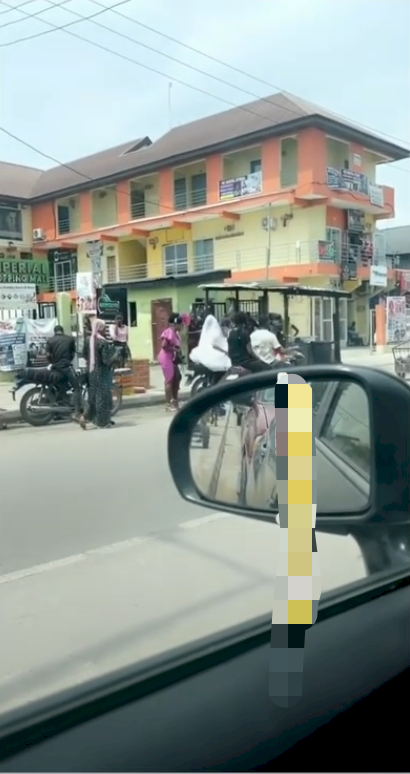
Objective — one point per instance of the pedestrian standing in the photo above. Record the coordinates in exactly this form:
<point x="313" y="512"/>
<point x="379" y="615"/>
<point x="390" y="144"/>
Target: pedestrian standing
<point x="169" y="359"/>
<point x="102" y="357"/>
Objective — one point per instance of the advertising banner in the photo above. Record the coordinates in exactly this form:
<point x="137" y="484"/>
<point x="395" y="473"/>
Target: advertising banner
<point x="34" y="271"/>
<point x="19" y="297"/>
<point x="37" y="333"/>
<point x="86" y="293"/>
<point x="13" y="348"/>
<point x="95" y="254"/>
<point x="396" y="319"/>
<point x="110" y="302"/>
<point x="236" y="187"/>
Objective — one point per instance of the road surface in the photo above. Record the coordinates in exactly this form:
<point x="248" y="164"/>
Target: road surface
<point x="104" y="565"/>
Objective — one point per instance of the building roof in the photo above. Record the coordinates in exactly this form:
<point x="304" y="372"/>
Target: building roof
<point x="276" y="287"/>
<point x="227" y="131"/>
<point x="16" y="181"/>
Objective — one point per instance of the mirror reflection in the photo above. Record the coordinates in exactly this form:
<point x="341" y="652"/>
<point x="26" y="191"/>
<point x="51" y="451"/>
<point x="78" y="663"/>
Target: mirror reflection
<point x="233" y="449"/>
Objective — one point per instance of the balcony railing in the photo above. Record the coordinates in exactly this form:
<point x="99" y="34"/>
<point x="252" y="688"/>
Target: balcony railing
<point x="133" y="273"/>
<point x="62" y="284"/>
<point x="185" y="200"/>
<point x="64" y="226"/>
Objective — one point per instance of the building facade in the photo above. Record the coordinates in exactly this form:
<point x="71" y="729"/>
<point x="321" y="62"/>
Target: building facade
<point x="276" y="189"/>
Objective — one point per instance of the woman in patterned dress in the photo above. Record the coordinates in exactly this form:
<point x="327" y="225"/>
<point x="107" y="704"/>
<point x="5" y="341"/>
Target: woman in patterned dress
<point x="102" y="357"/>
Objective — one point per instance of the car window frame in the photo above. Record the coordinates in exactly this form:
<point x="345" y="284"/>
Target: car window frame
<point x="323" y="418"/>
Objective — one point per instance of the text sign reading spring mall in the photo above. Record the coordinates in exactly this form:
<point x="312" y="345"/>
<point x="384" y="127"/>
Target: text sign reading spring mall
<point x="27" y="272"/>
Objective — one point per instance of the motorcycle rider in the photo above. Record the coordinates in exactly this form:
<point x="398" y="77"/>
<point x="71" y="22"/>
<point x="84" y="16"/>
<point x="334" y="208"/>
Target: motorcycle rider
<point x="240" y="348"/>
<point x="212" y="349"/>
<point x="265" y="343"/>
<point x="61" y="353"/>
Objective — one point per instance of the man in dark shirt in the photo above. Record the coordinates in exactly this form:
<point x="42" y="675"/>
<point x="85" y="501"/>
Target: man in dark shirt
<point x="239" y="346"/>
<point x="61" y="354"/>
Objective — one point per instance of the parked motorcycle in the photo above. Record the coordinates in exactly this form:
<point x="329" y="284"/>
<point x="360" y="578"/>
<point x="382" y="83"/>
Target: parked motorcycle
<point x="41" y="404"/>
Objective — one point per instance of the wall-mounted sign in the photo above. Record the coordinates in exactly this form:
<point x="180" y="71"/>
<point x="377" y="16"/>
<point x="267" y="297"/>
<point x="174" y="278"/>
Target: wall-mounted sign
<point x="376" y="195"/>
<point x="356" y="221"/>
<point x="357" y="160"/>
<point x="35" y="271"/>
<point x="347" y="180"/>
<point x="236" y="187"/>
<point x="95" y="252"/>
<point x="111" y="302"/>
<point x="378" y="276"/>
<point x="19" y="297"/>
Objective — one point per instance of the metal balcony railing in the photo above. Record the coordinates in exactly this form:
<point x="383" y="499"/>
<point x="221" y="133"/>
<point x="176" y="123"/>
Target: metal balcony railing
<point x="133" y="273"/>
<point x="62" y="284"/>
<point x="64" y="226"/>
<point x="187" y="200"/>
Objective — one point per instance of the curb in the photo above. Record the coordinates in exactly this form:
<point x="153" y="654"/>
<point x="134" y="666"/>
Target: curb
<point x="8" y="418"/>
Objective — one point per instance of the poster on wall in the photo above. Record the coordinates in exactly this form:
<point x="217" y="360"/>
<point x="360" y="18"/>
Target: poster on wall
<point x="37" y="334"/>
<point x="13" y="348"/>
<point x="20" y="297"/>
<point x="86" y="293"/>
<point x="396" y="320"/>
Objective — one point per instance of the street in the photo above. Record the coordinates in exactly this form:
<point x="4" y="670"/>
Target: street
<point x="103" y="564"/>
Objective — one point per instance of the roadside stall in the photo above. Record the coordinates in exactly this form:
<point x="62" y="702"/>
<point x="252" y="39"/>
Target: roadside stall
<point x="315" y="351"/>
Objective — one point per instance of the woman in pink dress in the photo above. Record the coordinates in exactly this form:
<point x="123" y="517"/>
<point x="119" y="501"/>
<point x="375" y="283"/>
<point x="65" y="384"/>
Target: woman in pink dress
<point x="169" y="358"/>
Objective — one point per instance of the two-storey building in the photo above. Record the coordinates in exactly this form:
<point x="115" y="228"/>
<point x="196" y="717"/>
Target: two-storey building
<point x="277" y="189"/>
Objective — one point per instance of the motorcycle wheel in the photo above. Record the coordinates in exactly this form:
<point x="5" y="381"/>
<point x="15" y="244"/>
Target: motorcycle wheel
<point x="32" y="418"/>
<point x="116" y="400"/>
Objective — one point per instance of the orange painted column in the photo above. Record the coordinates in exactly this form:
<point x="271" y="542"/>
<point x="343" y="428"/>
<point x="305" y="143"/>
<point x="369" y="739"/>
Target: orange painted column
<point x="214" y="174"/>
<point x="381" y="331"/>
<point x="271" y="166"/>
<point x="312" y="153"/>
<point x="124" y="201"/>
<point x="86" y="211"/>
<point x="166" y="191"/>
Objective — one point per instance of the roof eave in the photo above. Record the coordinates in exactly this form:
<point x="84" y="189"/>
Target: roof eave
<point x="341" y="130"/>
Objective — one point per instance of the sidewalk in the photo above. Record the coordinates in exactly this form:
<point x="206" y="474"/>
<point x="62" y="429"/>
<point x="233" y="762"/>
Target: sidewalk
<point x="10" y="414"/>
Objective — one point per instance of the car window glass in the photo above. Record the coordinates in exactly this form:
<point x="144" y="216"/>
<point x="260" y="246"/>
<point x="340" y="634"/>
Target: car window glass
<point x="347" y="427"/>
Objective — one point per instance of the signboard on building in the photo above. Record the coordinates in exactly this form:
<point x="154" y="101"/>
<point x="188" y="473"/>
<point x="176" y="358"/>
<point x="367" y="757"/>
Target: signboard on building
<point x="95" y="253"/>
<point x="396" y="319"/>
<point x="13" y="350"/>
<point x="378" y="276"/>
<point x="356" y="221"/>
<point x="34" y="271"/>
<point x="111" y="302"/>
<point x="376" y="195"/>
<point x="20" y="297"/>
<point x="236" y="187"/>
<point x="86" y="292"/>
<point x="347" y="180"/>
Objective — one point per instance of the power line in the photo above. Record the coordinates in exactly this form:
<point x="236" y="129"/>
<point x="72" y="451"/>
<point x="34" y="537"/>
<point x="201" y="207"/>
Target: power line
<point x="147" y="67"/>
<point x="63" y="27"/>
<point x="184" y="64"/>
<point x="232" y="67"/>
<point x="34" y="15"/>
<point x="17" y="8"/>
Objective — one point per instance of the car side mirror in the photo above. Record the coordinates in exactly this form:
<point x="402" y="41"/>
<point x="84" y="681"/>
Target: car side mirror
<point x="360" y="423"/>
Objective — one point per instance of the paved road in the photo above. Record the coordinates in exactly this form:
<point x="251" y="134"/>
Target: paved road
<point x="103" y="564"/>
<point x="64" y="491"/>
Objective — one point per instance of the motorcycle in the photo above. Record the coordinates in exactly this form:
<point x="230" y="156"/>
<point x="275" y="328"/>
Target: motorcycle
<point x="42" y="404"/>
<point x="199" y="378"/>
<point x="242" y="404"/>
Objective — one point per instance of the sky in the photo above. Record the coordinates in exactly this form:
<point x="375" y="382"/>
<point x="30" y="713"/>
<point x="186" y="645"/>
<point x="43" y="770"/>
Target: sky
<point x="69" y="98"/>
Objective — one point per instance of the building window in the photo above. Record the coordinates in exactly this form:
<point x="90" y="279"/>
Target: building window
<point x="198" y="190"/>
<point x="180" y="193"/>
<point x="137" y="203"/>
<point x="256" y="166"/>
<point x="63" y="219"/>
<point x="334" y="238"/>
<point x="176" y="259"/>
<point x="204" y="255"/>
<point x="10" y="221"/>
